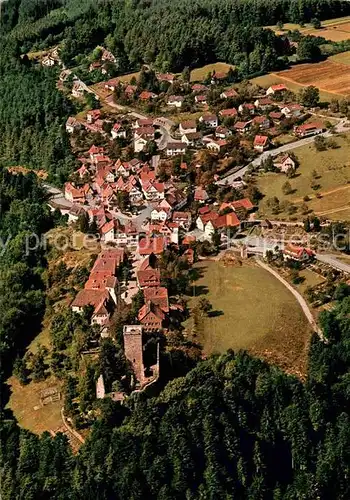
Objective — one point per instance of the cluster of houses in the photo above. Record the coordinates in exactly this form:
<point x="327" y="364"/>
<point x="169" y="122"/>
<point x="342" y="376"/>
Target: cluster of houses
<point x="101" y="289"/>
<point x="101" y="293"/>
<point x="230" y="215"/>
<point x="99" y="183"/>
<point x="51" y="58"/>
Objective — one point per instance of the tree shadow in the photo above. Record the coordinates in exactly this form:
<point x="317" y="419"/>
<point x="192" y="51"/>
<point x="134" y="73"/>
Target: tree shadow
<point x="215" y="314"/>
<point x="199" y="290"/>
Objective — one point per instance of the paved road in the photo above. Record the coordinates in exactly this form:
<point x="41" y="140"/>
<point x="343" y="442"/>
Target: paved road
<point x="332" y="261"/>
<point x="300" y="299"/>
<point x="164" y="124"/>
<point x="342" y="126"/>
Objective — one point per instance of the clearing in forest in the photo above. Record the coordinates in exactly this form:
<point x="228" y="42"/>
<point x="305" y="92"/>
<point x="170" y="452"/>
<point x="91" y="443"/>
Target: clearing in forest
<point x="251" y="310"/>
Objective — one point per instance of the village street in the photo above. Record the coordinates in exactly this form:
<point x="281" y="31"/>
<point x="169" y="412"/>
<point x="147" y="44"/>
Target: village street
<point x="342" y="126"/>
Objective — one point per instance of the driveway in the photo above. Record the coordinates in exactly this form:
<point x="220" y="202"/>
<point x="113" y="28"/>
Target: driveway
<point x="332" y="261"/>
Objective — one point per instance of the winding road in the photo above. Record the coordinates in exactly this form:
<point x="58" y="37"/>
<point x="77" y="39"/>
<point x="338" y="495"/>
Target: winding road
<point x="231" y="177"/>
<point x="300" y="299"/>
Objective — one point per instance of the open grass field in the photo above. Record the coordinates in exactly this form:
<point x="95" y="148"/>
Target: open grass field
<point x="25" y="404"/>
<point x="310" y="279"/>
<point x="129" y="77"/>
<point x="328" y="76"/>
<point x="335" y="30"/>
<point x="266" y="81"/>
<point x="335" y="205"/>
<point x="343" y="58"/>
<point x="251" y="310"/>
<point x="199" y="74"/>
<point x="333" y="171"/>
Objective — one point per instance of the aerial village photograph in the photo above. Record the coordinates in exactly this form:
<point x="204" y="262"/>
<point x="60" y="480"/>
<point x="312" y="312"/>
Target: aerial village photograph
<point x="175" y="249"/>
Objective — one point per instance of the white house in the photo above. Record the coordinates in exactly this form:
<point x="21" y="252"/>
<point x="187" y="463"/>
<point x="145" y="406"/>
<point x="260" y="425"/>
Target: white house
<point x="192" y="139"/>
<point x="285" y="164"/>
<point x="159" y="214"/>
<point x="72" y="124"/>
<point x="209" y="120"/>
<point x="135" y="196"/>
<point x="139" y="144"/>
<point x="118" y="132"/>
<point x="292" y="111"/>
<point x="78" y="89"/>
<point x="48" y="61"/>
<point x="188" y="127"/>
<point x="215" y="144"/>
<point x="176" y="148"/>
<point x="276" y="89"/>
<point x="175" y="101"/>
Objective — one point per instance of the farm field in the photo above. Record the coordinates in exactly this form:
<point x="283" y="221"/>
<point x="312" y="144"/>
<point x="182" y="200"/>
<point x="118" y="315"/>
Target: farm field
<point x="266" y="81"/>
<point x="333" y="170"/>
<point x="328" y="76"/>
<point x="335" y="30"/>
<point x="199" y="74"/>
<point x="252" y="310"/>
<point x="343" y="58"/>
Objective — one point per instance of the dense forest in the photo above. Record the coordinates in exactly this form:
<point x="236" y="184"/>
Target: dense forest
<point x="169" y="34"/>
<point x="234" y="427"/>
<point x="23" y="211"/>
<point x="32" y="115"/>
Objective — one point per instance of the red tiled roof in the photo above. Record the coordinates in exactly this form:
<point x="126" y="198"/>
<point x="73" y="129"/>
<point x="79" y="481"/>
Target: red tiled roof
<point x="230" y="93"/>
<point x="228" y="112"/>
<point x="90" y="297"/>
<point x="297" y="251"/>
<point x="243" y="203"/>
<point x="158" y="296"/>
<point x="260" y="140"/>
<point x="259" y="119"/>
<point x="147" y="95"/>
<point x="200" y="194"/>
<point x="279" y="86"/>
<point x="227" y="220"/>
<point x="240" y="125"/>
<point x="152" y="245"/>
<point x="150" y="307"/>
<point x="149" y="262"/>
<point x="188" y="124"/>
<point x="148" y="277"/>
<point x="188" y="239"/>
<point x="309" y="126"/>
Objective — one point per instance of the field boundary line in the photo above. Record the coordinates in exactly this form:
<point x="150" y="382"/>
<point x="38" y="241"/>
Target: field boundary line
<point x="290" y="80"/>
<point x="324" y="193"/>
<point x="300" y="298"/>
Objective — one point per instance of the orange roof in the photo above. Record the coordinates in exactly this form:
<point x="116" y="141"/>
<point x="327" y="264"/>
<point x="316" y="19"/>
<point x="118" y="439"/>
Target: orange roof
<point x="297" y="251"/>
<point x="90" y="297"/>
<point x="148" y="277"/>
<point x="243" y="203"/>
<point x="188" y="239"/>
<point x="152" y="245"/>
<point x="279" y="86"/>
<point x="158" y="296"/>
<point x="107" y="227"/>
<point x="147" y="95"/>
<point x="228" y="112"/>
<point x="260" y="140"/>
<point x="227" y="220"/>
<point x="150" y="307"/>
